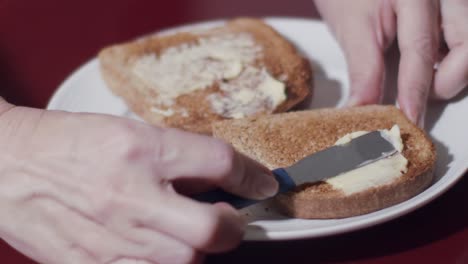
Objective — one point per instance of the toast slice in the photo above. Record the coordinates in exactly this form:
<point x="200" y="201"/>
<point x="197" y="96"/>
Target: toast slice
<point x="190" y="79"/>
<point x="283" y="139"/>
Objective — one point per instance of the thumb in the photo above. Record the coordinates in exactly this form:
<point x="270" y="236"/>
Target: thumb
<point x="452" y="74"/>
<point x="186" y="156"/>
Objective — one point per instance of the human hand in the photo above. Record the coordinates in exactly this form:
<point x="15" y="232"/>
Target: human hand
<point x="366" y="28"/>
<point x="86" y="188"/>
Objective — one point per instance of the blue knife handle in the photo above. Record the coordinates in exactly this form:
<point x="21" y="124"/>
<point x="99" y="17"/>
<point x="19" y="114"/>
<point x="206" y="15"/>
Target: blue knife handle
<point x="285" y="184"/>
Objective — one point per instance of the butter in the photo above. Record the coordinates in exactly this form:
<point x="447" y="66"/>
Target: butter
<point x="376" y="174"/>
<point x="232" y="69"/>
<point x="244" y="96"/>
<point x="189" y="67"/>
<point x="169" y="112"/>
<point x="226" y="59"/>
<point x="272" y="89"/>
<point x="253" y="91"/>
<point x="166" y="113"/>
<point x="348" y="137"/>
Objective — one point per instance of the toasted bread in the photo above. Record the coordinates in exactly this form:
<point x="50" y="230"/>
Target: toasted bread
<point x="193" y="109"/>
<point x="281" y="140"/>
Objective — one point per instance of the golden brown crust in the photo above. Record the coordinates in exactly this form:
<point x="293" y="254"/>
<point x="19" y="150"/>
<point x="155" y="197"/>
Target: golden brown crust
<point x="281" y="140"/>
<point x="279" y="57"/>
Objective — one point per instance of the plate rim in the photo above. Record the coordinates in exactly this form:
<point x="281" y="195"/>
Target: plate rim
<point x="365" y="222"/>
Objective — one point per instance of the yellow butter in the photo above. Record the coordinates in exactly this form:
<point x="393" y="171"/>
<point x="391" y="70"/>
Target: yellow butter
<point x="376" y="174"/>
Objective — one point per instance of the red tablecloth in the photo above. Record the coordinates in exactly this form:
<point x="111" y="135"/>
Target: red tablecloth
<point x="41" y="42"/>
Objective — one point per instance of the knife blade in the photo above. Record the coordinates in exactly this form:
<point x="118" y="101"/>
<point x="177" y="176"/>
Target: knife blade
<point x="318" y="166"/>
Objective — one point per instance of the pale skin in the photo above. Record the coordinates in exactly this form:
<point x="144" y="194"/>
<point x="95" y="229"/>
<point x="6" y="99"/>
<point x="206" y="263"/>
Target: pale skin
<point x="89" y="188"/>
<point x="86" y="188"/>
<point x="366" y="28"/>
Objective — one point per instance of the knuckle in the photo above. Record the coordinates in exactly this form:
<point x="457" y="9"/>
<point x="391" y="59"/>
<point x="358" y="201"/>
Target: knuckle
<point x="423" y="45"/>
<point x="163" y="150"/>
<point x="421" y="90"/>
<point x="128" y="143"/>
<point x="427" y="49"/>
<point x="419" y="87"/>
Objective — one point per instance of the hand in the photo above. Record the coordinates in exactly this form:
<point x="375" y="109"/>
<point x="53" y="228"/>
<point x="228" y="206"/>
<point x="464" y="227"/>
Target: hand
<point x="86" y="188"/>
<point x="366" y="28"/>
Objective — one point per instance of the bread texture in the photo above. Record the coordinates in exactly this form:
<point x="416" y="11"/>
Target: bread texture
<point x="193" y="111"/>
<point x="283" y="139"/>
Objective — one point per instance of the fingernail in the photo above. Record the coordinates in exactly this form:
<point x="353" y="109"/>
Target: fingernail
<point x="268" y="186"/>
<point x="413" y="117"/>
<point x="417" y="115"/>
<point x="416" y="118"/>
<point x="421" y="123"/>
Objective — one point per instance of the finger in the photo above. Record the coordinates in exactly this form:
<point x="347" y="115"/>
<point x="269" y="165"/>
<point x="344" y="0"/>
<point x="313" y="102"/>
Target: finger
<point x="364" y="58"/>
<point x="363" y="48"/>
<point x="207" y="228"/>
<point x="86" y="238"/>
<point x="42" y="240"/>
<point x="183" y="155"/>
<point x="136" y="242"/>
<point x="418" y="29"/>
<point x="452" y="74"/>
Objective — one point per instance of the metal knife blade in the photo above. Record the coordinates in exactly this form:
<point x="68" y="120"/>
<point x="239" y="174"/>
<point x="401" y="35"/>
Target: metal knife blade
<point x="316" y="167"/>
<point x="338" y="159"/>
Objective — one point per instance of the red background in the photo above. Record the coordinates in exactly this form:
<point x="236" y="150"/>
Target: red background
<point x="42" y="42"/>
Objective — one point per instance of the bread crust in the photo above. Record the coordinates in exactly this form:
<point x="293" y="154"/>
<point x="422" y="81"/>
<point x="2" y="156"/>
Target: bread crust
<point x="283" y="139"/>
<point x="280" y="58"/>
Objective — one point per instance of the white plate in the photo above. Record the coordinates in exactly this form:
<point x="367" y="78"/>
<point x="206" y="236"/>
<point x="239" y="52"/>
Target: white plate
<point x="85" y="91"/>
